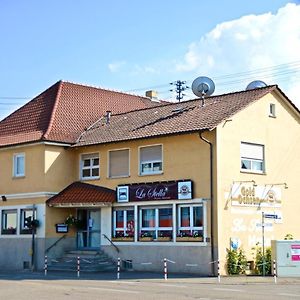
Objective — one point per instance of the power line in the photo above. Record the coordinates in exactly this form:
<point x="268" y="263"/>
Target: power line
<point x="180" y="88"/>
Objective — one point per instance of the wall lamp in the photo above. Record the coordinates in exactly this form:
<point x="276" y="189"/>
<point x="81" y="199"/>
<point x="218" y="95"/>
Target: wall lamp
<point x="4" y="198"/>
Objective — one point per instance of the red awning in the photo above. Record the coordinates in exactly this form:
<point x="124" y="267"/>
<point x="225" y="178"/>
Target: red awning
<point x="80" y="194"/>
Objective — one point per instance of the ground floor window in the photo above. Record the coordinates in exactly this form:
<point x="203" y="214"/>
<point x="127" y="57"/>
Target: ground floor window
<point x="156" y="222"/>
<point x="190" y="221"/>
<point x="123" y="221"/>
<point x="26" y="219"/>
<point x="9" y="222"/>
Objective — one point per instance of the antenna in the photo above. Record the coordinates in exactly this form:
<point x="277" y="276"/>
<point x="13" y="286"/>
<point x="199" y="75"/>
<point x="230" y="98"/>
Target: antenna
<point x="255" y="85"/>
<point x="203" y="86"/>
<point x="180" y="87"/>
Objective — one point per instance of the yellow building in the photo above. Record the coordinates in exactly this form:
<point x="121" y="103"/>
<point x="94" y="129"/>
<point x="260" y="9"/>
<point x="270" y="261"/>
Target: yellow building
<point x="147" y="181"/>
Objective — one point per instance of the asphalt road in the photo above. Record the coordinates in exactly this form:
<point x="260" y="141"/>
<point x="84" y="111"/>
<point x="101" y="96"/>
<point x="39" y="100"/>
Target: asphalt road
<point x="24" y="286"/>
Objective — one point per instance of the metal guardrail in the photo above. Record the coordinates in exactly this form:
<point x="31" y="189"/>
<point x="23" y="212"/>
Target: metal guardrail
<point x="55" y="243"/>
<point x="111" y="242"/>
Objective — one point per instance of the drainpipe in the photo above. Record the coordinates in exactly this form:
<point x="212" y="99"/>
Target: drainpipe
<point x="211" y="198"/>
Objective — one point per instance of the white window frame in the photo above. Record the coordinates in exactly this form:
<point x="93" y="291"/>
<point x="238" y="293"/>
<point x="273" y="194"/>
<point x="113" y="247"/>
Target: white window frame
<point x="191" y="227"/>
<point x="23" y="229"/>
<point x="124" y="228"/>
<point x="272" y="110"/>
<point x="5" y="211"/>
<point x="156" y="228"/>
<point x="253" y="160"/>
<point x="91" y="167"/>
<point x="17" y="156"/>
<point x="108" y="163"/>
<point x="152" y="162"/>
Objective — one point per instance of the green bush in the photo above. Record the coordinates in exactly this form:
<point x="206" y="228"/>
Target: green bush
<point x="236" y="262"/>
<point x="259" y="261"/>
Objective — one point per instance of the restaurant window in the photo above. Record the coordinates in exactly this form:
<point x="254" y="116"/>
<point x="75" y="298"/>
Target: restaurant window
<point x="123" y="222"/>
<point x="156" y="223"/>
<point x="9" y="222"/>
<point x="26" y="218"/>
<point x="252" y="158"/>
<point x="118" y="163"/>
<point x="90" y="168"/>
<point x="19" y="165"/>
<point x="190" y="221"/>
<point x="151" y="160"/>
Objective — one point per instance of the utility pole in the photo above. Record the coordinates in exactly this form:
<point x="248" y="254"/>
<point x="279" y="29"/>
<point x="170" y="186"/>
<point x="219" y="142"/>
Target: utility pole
<point x="263" y="242"/>
<point x="180" y="87"/>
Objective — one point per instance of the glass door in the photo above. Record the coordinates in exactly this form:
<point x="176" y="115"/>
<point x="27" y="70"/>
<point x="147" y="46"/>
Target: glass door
<point x="89" y="233"/>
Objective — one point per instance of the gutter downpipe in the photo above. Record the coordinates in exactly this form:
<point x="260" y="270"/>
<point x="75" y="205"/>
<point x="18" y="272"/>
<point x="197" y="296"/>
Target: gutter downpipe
<point x="211" y="199"/>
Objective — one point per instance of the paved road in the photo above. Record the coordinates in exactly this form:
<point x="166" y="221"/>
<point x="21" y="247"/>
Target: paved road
<point x="28" y="286"/>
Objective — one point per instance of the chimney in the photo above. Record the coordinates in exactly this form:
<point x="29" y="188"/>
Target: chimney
<point x="151" y="94"/>
<point x="107" y="116"/>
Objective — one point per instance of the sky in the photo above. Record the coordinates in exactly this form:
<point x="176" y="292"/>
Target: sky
<point x="134" y="45"/>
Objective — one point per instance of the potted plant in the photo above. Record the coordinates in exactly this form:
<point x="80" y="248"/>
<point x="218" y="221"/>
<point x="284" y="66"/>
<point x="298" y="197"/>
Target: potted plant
<point x="146" y="237"/>
<point x="189" y="237"/>
<point x="121" y="236"/>
<point x="164" y="236"/>
<point x="9" y="230"/>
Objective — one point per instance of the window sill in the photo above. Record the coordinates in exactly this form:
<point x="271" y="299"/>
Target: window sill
<point x="89" y="178"/>
<point x="18" y="176"/>
<point x="151" y="174"/>
<point x="272" y="116"/>
<point x="253" y="172"/>
<point x="117" y="177"/>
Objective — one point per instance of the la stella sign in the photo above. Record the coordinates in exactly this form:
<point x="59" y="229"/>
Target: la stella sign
<point x="155" y="191"/>
<point x="249" y="195"/>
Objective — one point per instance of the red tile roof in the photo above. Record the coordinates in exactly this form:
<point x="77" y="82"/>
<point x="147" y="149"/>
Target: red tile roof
<point x="176" y="118"/>
<point x="63" y="111"/>
<point x="79" y="193"/>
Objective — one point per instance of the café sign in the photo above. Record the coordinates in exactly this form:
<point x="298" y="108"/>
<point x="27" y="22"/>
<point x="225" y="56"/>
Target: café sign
<point x="155" y="191"/>
<point x="257" y="196"/>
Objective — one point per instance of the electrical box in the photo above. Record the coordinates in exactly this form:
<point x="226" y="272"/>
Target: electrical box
<point x="287" y="256"/>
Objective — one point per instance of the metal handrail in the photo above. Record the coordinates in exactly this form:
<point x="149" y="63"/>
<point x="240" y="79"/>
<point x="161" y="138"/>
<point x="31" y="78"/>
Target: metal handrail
<point x="55" y="243"/>
<point x="105" y="236"/>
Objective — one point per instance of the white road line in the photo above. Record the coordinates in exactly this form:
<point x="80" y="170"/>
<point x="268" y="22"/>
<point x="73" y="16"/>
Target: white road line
<point x="228" y="290"/>
<point x="113" y="290"/>
<point x="172" y="285"/>
<point x="125" y="282"/>
<point x="289" y="295"/>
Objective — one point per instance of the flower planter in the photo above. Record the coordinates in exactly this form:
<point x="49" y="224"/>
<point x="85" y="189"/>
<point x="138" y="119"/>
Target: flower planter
<point x="123" y="239"/>
<point x="146" y="239"/>
<point x="163" y="239"/>
<point x="189" y="239"/>
<point x="9" y="231"/>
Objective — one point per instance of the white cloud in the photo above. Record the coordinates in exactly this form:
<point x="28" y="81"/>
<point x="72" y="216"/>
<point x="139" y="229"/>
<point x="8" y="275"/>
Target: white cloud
<point x="116" y="66"/>
<point x="250" y="43"/>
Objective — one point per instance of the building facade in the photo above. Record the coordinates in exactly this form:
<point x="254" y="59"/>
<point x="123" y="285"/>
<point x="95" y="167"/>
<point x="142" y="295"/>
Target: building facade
<point x="182" y="181"/>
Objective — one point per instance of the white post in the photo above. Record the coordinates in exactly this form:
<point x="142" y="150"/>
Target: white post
<point x="165" y="269"/>
<point x="219" y="276"/>
<point x="274" y="271"/>
<point x="46" y="265"/>
<point x="78" y="266"/>
<point x="118" y="268"/>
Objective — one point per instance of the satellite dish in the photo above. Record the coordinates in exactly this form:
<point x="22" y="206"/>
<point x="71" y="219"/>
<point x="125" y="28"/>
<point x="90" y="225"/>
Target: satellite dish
<point x="255" y="85"/>
<point x="203" y="86"/>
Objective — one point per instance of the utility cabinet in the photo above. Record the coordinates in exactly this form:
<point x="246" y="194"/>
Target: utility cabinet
<point x="287" y="256"/>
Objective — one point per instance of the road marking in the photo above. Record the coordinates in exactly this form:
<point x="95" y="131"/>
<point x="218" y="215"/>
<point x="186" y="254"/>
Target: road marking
<point x="228" y="290"/>
<point x="125" y="282"/>
<point x="289" y="295"/>
<point x="173" y="285"/>
<point x="113" y="290"/>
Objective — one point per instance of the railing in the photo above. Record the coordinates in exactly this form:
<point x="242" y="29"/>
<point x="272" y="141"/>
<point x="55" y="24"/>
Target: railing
<point x="111" y="242"/>
<point x="55" y="243"/>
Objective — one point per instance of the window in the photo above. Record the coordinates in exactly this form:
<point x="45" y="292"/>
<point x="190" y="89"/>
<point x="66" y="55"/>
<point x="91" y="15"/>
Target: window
<point x="123" y="220"/>
<point x="151" y="160"/>
<point x="90" y="168"/>
<point x="156" y="222"/>
<point x="272" y="112"/>
<point x="118" y="163"/>
<point x="190" y="221"/>
<point x="19" y="165"/>
<point x="252" y="157"/>
<point x="26" y="218"/>
<point x="9" y="222"/>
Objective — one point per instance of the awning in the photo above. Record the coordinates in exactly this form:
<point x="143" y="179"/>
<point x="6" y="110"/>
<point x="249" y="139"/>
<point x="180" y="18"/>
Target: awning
<point x="79" y="194"/>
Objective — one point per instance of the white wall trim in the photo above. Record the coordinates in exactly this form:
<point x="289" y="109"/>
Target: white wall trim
<point x="29" y="195"/>
<point x="34" y="144"/>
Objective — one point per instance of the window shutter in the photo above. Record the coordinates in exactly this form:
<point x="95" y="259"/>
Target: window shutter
<point x="119" y="163"/>
<point x="252" y="151"/>
<point x="152" y="153"/>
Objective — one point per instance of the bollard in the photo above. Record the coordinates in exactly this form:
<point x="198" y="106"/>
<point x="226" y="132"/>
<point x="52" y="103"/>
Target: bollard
<point x="274" y="271"/>
<point x="46" y="265"/>
<point x="219" y="276"/>
<point x="165" y="269"/>
<point x="78" y="266"/>
<point x="118" y="268"/>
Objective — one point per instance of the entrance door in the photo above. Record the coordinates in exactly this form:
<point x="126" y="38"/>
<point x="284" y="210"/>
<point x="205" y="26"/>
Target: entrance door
<point x="89" y="235"/>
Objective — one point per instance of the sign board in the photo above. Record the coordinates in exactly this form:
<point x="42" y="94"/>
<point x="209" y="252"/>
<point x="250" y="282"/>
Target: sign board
<point x="271" y="216"/>
<point x="295" y="252"/>
<point x="62" y="228"/>
<point x="155" y="191"/>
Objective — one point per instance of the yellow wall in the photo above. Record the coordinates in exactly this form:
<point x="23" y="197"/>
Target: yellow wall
<point x="281" y="137"/>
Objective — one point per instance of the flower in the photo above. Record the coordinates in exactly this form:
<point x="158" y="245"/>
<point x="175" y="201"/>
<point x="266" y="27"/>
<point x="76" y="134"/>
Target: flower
<point x="70" y="220"/>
